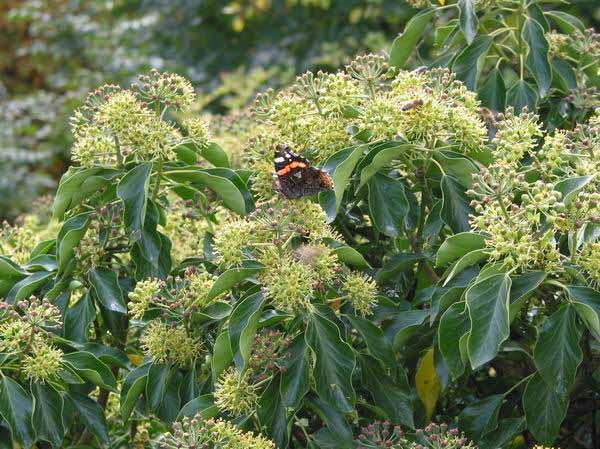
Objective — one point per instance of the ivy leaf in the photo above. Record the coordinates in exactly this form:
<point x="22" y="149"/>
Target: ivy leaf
<point x="92" y="369"/>
<point x="455" y="207"/>
<point x="557" y="353"/>
<point x="507" y="429"/>
<point x="16" y="408"/>
<point x="487" y="302"/>
<point x="537" y="56"/>
<point x="521" y="288"/>
<point x="133" y="387"/>
<point x="68" y="238"/>
<point x="428" y="383"/>
<point x="545" y="409"/>
<point x="453" y="325"/>
<point x="387" y="393"/>
<point x="205" y="405"/>
<point x="334" y="365"/>
<point x="380" y="160"/>
<point x="466" y="64"/>
<point x="157" y="384"/>
<point x="295" y="381"/>
<point x="520" y="95"/>
<point x="272" y="414"/>
<point x="388" y="204"/>
<point x="234" y="276"/>
<point x="373" y="336"/>
<point x="458" y="245"/>
<point x="481" y="417"/>
<point x="47" y="416"/>
<point x="77" y="319"/>
<point x="133" y="191"/>
<point x="404" y="44"/>
<point x="468" y="19"/>
<point x="222" y="355"/>
<point x="106" y="285"/>
<point x="92" y="415"/>
<point x="493" y="91"/>
<point x="243" y="323"/>
<point x="587" y="303"/>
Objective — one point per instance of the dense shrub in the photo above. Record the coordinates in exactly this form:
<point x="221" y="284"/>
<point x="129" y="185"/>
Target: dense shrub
<point x="444" y="293"/>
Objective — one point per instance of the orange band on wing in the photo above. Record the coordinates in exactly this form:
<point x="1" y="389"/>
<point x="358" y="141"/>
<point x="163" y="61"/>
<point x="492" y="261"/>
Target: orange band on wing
<point x="285" y="170"/>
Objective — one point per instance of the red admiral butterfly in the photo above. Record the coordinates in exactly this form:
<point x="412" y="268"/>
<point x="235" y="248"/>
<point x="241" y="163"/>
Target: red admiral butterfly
<point x="295" y="177"/>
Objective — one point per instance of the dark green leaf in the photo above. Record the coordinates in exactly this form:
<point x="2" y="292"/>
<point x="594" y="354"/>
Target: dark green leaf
<point x="338" y="431"/>
<point x="295" y="381"/>
<point x="133" y="191"/>
<point x="335" y="362"/>
<point x="457" y="165"/>
<point x="205" y="405"/>
<point x="566" y="21"/>
<point x="466" y="64"/>
<point x="454" y="324"/>
<point x="521" y="95"/>
<point x="133" y="387"/>
<point x="232" y="277"/>
<point x="557" y="353"/>
<point x="537" y="56"/>
<point x="480" y="418"/>
<point x="404" y="44"/>
<point x="455" y="207"/>
<point x="587" y="304"/>
<point x="89" y="367"/>
<point x="457" y="246"/>
<point x="396" y="265"/>
<point x="243" y="323"/>
<point x="106" y="285"/>
<point x="387" y="393"/>
<point x="47" y="413"/>
<point x="545" y="409"/>
<point x="493" y="91"/>
<point x="77" y="319"/>
<point x="16" y="409"/>
<point x="522" y="287"/>
<point x="26" y="287"/>
<point x="387" y="204"/>
<point x="222" y="355"/>
<point x="10" y="270"/>
<point x="468" y="19"/>
<point x="380" y="160"/>
<point x="92" y="415"/>
<point x="487" y="301"/>
<point x="566" y="75"/>
<point x="375" y="340"/>
<point x="468" y="260"/>
<point x="157" y="384"/>
<point x="272" y="414"/>
<point x="507" y="429"/>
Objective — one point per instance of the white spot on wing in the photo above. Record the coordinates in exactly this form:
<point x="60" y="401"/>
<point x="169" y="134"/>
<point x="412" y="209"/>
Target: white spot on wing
<point x="279" y="159"/>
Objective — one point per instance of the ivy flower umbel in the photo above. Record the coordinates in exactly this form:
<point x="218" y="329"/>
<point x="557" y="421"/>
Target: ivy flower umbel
<point x="168" y="343"/>
<point x="361" y="290"/>
<point x="589" y="260"/>
<point x="235" y="394"/>
<point x="43" y="363"/>
<point x="142" y="297"/>
<point x="201" y="433"/>
<point x="171" y="89"/>
<point x="231" y="242"/>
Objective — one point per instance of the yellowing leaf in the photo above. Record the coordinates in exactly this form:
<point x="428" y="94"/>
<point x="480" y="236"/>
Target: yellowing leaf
<point x="428" y="383"/>
<point x="135" y="359"/>
<point x="442" y="2"/>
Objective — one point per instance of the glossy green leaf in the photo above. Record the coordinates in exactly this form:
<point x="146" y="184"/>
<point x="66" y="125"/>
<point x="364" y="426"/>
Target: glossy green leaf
<point x="375" y="340"/>
<point x="521" y="95"/>
<point x="587" y="303"/>
<point x="233" y="276"/>
<point x="89" y="367"/>
<point x="522" y="288"/>
<point x="468" y="19"/>
<point x="506" y="431"/>
<point x="68" y="238"/>
<point x="133" y="387"/>
<point x="493" y="91"/>
<point x="454" y="324"/>
<point x="458" y="245"/>
<point x="348" y="255"/>
<point x="545" y="409"/>
<point x="295" y="380"/>
<point x="380" y="160"/>
<point x="47" y="417"/>
<point x="272" y="414"/>
<point x="10" y="270"/>
<point x="466" y="261"/>
<point x="481" y="417"/>
<point x="133" y="191"/>
<point x="338" y="434"/>
<point x="487" y="302"/>
<point x="243" y="323"/>
<point x="396" y="265"/>
<point x="91" y="415"/>
<point x="570" y="187"/>
<point x="405" y="44"/>
<point x="16" y="409"/>
<point x="566" y="75"/>
<point x="455" y="207"/>
<point x="204" y="405"/>
<point x="466" y="64"/>
<point x="388" y="204"/>
<point x="537" y="56"/>
<point x="457" y="165"/>
<point x="566" y="22"/>
<point x="78" y="318"/>
<point x="557" y="353"/>
<point x="334" y="364"/>
<point x="26" y="287"/>
<point x="222" y="355"/>
<point x="157" y="384"/>
<point x="106" y="286"/>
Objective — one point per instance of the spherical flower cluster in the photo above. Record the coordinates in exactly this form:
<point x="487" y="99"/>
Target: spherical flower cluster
<point x="559" y="44"/>
<point x="199" y="433"/>
<point x="142" y="297"/>
<point x="115" y="123"/>
<point x="589" y="260"/>
<point x="197" y="130"/>
<point x="361" y="290"/>
<point x="231" y="241"/>
<point x="435" y="436"/>
<point x="517" y="135"/>
<point x="168" y="343"/>
<point x="381" y="435"/>
<point x="268" y="354"/>
<point x="43" y="363"/>
<point x="18" y="240"/>
<point x="552" y="155"/>
<point x="25" y="332"/>
<point x="235" y="394"/>
<point x="167" y="88"/>
<point x="289" y="284"/>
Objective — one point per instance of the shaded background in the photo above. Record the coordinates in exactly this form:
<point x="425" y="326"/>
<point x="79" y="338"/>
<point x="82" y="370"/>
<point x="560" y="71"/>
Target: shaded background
<point x="52" y="52"/>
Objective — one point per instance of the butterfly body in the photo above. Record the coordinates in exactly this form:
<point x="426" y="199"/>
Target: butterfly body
<point x="295" y="177"/>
